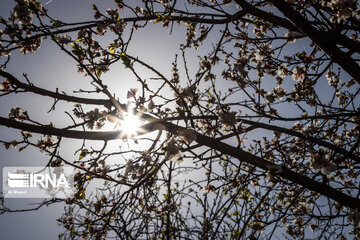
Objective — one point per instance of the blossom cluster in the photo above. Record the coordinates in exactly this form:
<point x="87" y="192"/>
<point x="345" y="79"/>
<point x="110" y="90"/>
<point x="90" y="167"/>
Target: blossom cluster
<point x="5" y="86"/>
<point x="94" y="118"/>
<point x="321" y="160"/>
<point x="17" y="113"/>
<point x="227" y="118"/>
<point x="173" y="152"/>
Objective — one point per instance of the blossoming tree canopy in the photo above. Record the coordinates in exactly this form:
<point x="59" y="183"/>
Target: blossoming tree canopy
<point x="197" y="119"/>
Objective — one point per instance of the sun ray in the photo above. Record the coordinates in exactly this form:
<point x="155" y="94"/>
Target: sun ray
<point x="129" y="125"/>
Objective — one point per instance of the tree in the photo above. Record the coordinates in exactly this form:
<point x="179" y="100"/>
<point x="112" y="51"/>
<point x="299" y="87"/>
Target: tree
<point x="252" y="134"/>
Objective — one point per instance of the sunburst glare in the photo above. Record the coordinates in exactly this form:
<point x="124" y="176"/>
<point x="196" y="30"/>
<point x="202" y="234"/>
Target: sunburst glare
<point x="130" y="125"/>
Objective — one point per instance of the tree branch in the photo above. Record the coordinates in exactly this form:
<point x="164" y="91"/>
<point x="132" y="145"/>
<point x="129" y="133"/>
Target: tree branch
<point x="55" y="95"/>
<point x="343" y="59"/>
<point x="201" y="139"/>
<point x="279" y="21"/>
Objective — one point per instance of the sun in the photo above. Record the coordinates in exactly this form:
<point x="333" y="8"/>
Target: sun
<point x="129" y="125"/>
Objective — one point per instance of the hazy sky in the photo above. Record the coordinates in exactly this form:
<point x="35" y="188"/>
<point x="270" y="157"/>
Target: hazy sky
<point x="50" y="69"/>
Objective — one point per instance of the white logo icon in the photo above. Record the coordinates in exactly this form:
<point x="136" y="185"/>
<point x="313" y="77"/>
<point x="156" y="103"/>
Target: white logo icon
<point x="34" y="180"/>
<point x="18" y="180"/>
<point x="38" y="182"/>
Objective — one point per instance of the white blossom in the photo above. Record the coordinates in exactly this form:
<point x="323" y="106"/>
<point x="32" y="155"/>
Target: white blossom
<point x="328" y="168"/>
<point x="270" y="97"/>
<point x="312" y="227"/>
<point x="178" y="157"/>
<point x="111" y="12"/>
<point x="63" y="39"/>
<point x="208" y="188"/>
<point x="227" y="118"/>
<point x="187" y="135"/>
<point x="258" y="226"/>
<point x="354" y="217"/>
<point x="151" y="105"/>
<point x="298" y="73"/>
<point x="282" y="71"/>
<point x="56" y="24"/>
